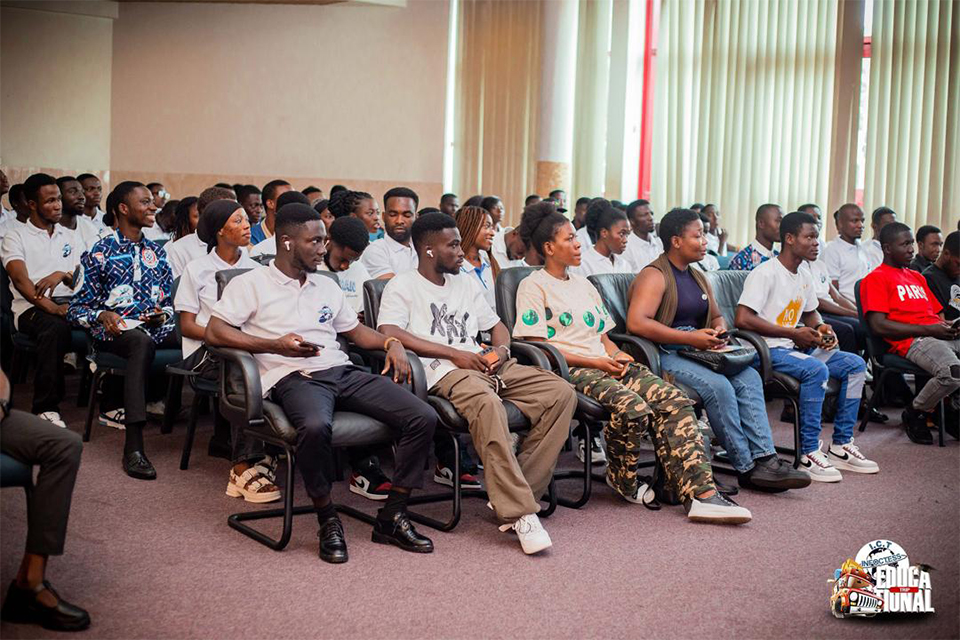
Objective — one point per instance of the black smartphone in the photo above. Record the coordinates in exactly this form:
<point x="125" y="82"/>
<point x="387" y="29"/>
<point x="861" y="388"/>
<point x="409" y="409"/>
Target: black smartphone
<point x="311" y="345"/>
<point x="723" y="336"/>
<point x="153" y="317"/>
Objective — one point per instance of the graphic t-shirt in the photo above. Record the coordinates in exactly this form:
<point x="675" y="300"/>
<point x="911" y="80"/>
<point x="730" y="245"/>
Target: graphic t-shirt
<point x="946" y="289"/>
<point x="903" y="295"/>
<point x="450" y="315"/>
<point x="351" y="282"/>
<point x="568" y="313"/>
<point x="779" y="296"/>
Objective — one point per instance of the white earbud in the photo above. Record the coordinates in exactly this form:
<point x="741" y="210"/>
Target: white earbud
<point x="430" y="252"/>
<point x="286" y="243"/>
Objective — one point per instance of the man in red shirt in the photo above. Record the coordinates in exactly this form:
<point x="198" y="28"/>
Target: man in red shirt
<point x="900" y="308"/>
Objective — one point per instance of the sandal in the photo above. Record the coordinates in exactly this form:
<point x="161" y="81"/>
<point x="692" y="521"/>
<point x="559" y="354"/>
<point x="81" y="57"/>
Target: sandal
<point x="267" y="468"/>
<point x="253" y="486"/>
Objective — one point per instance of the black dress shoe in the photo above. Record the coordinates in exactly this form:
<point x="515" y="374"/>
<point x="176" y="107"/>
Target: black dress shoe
<point x="724" y="488"/>
<point x="333" y="544"/>
<point x="136" y="465"/>
<point x="399" y="532"/>
<point x="21" y="606"/>
<point x="773" y="475"/>
<point x="915" y="424"/>
<point x="875" y="415"/>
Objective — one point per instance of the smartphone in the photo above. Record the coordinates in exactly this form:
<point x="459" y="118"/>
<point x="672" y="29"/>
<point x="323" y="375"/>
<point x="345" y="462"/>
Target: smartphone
<point x="153" y="317"/>
<point x="490" y="355"/>
<point x="311" y="345"/>
<point x="723" y="336"/>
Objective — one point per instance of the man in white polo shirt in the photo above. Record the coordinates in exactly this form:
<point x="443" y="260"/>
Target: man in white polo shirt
<point x="92" y="195"/>
<point x="881" y="217"/>
<point x="643" y="245"/>
<point x="289" y="317"/>
<point x="40" y="257"/>
<point x="846" y="258"/>
<point x="393" y="254"/>
<point x="72" y="216"/>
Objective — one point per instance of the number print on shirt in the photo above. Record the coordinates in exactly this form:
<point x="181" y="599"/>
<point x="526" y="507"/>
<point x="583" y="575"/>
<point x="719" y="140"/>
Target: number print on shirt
<point x="446" y="324"/>
<point x="789" y="316"/>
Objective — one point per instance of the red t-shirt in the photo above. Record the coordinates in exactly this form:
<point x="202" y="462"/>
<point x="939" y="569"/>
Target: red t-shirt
<point x="904" y="296"/>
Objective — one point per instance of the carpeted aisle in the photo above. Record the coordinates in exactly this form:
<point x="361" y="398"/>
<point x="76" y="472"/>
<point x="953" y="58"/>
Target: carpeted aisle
<point x="157" y="559"/>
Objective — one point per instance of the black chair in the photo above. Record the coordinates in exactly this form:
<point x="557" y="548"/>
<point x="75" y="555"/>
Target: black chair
<point x="450" y="420"/>
<point x="14" y="473"/>
<point x="886" y="363"/>
<point x="590" y="414"/>
<point x="243" y="404"/>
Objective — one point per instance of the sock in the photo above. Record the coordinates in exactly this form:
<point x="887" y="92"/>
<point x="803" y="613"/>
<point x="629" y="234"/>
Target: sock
<point x="134" y="437"/>
<point x="396" y="503"/>
<point x="326" y="512"/>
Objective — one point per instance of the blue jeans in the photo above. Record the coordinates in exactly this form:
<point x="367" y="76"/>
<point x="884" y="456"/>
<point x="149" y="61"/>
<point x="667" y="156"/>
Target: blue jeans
<point x="813" y="368"/>
<point x="734" y="405"/>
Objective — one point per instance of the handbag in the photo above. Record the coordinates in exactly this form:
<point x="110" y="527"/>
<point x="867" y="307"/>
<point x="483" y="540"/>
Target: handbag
<point x="727" y="363"/>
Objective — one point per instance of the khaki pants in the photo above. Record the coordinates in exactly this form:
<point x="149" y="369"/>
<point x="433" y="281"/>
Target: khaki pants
<point x="514" y="483"/>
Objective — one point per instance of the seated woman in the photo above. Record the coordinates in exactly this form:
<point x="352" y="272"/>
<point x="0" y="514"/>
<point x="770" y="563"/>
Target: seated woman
<point x="185" y="218"/>
<point x="609" y="225"/>
<point x="565" y="310"/>
<point x="476" y="239"/>
<point x="672" y="304"/>
<point x="225" y="228"/>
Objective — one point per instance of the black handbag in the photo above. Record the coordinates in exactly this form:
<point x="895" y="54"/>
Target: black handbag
<point x="726" y="363"/>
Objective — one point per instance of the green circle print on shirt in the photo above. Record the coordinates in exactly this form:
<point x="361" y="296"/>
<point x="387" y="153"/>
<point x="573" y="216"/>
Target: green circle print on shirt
<point x="530" y="317"/>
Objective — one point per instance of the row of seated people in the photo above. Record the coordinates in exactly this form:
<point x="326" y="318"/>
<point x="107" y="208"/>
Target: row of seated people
<point x="124" y="300"/>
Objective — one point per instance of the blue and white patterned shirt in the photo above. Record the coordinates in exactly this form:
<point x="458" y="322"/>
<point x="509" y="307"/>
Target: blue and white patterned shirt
<point x="128" y="278"/>
<point x="752" y="255"/>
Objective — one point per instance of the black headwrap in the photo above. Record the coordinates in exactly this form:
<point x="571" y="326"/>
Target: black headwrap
<point x="214" y="217"/>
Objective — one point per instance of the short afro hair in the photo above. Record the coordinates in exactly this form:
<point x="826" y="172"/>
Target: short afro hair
<point x="288" y="197"/>
<point x="211" y="194"/>
<point x="890" y="232"/>
<point x="879" y="212"/>
<point x="350" y="232"/>
<point x="32" y="185"/>
<point x="675" y="222"/>
<point x="926" y="230"/>
<point x="429" y="224"/>
<point x="270" y="189"/>
<point x="792" y="223"/>
<point x="294" y="215"/>
<point x="951" y="244"/>
<point x="401" y="192"/>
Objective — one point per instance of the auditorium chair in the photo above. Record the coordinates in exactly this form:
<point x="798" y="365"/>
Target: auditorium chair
<point x="885" y="363"/>
<point x="450" y="420"/>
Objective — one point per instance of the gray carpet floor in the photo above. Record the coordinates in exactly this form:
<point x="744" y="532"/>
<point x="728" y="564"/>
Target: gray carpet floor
<point x="157" y="559"/>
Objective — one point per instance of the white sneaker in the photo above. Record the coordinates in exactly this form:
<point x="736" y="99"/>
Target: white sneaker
<point x="533" y="537"/>
<point x="848" y="457"/>
<point x="156" y="408"/>
<point x="113" y="419"/>
<point x="54" y="417"/>
<point x="596" y="451"/>
<point x="717" y="509"/>
<point x="818" y="466"/>
<point x="644" y="495"/>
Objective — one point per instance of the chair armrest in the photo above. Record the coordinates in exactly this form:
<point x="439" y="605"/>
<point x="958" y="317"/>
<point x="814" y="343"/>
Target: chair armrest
<point x="557" y="361"/>
<point x="177" y="371"/>
<point x="530" y="355"/>
<point x="244" y="363"/>
<point x="418" y="377"/>
<point x="637" y="346"/>
<point x="758" y="343"/>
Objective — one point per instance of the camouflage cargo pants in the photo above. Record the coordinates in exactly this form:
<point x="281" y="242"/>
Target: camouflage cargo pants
<point x="640" y="401"/>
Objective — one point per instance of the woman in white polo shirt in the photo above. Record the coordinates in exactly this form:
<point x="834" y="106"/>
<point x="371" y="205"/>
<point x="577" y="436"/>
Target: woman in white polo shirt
<point x="609" y="225"/>
<point x="476" y="238"/>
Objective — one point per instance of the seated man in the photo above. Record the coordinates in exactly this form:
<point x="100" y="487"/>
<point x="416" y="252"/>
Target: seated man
<point x="21" y="211"/>
<point x="761" y="249"/>
<point x="288" y="317"/>
<point x="846" y="257"/>
<point x="393" y="254"/>
<point x="881" y="217"/>
<point x="929" y="245"/>
<point x="643" y="245"/>
<point x="943" y="277"/>
<point x="40" y="257"/>
<point x="265" y="228"/>
<point x="188" y="248"/>
<point x="124" y="302"/>
<point x="57" y="452"/>
<point x="709" y="261"/>
<point x="777" y="296"/>
<point x="901" y="309"/>
<point x="437" y="313"/>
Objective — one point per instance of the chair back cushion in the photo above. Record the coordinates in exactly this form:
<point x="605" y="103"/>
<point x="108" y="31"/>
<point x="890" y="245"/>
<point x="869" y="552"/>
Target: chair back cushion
<point x="507" y="284"/>
<point x="14" y="473"/>
<point x="614" y="290"/>
<point x="877" y="347"/>
<point x="372" y="292"/>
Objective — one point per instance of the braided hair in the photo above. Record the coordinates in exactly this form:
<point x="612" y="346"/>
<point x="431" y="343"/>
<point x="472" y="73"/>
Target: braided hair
<point x="346" y="202"/>
<point x="181" y="217"/>
<point x="470" y="223"/>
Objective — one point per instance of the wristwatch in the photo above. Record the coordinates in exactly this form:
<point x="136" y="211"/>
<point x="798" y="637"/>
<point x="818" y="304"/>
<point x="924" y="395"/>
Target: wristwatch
<point x="5" y="407"/>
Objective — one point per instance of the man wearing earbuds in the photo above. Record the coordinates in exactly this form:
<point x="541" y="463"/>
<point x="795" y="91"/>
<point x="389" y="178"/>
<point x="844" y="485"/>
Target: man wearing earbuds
<point x="288" y="317"/>
<point x="437" y="313"/>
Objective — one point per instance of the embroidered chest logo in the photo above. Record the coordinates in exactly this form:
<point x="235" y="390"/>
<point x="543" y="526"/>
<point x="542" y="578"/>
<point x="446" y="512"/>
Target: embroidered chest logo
<point x="447" y="325"/>
<point x="790" y="314"/>
<point x="67" y="250"/>
<point x="326" y="313"/>
<point x="149" y="258"/>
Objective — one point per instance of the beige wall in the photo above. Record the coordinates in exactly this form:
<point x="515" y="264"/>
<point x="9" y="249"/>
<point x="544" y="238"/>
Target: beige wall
<point x="54" y="90"/>
<point x="315" y="94"/>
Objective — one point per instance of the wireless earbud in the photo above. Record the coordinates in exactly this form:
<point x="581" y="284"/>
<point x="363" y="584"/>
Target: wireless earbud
<point x="286" y="243"/>
<point x="430" y="252"/>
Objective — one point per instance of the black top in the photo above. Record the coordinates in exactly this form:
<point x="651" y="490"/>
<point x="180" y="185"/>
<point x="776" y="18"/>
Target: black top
<point x="919" y="263"/>
<point x="946" y="290"/>
<point x="692" y="303"/>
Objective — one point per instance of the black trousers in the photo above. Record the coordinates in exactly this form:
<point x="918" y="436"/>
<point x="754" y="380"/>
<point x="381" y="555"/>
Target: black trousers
<point x="850" y="335"/>
<point x="138" y="349"/>
<point x="52" y="335"/>
<point x="34" y="441"/>
<point x="309" y="401"/>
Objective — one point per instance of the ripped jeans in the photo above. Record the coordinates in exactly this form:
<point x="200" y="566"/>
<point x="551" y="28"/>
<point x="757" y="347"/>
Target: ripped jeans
<point x="813" y="368"/>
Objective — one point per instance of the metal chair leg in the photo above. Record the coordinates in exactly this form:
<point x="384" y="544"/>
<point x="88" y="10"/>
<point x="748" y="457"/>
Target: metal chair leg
<point x="171" y="407"/>
<point x="586" y="475"/>
<point x="455" y="514"/>
<point x="943" y="418"/>
<point x="287" y="512"/>
<point x="84" y="391"/>
<point x="92" y="405"/>
<point x="191" y="433"/>
<point x="877" y="386"/>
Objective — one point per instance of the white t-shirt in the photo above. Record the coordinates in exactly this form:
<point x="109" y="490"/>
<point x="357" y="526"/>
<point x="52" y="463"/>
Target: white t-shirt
<point x="197" y="291"/>
<point x="584" y="237"/>
<point x="821" y="277"/>
<point x="593" y="262"/>
<point x="8" y="224"/>
<point x="642" y="252"/>
<point x="183" y="251"/>
<point x="42" y="253"/>
<point x="779" y="296"/>
<point x="267" y="304"/>
<point x="266" y="247"/>
<point x="499" y="247"/>
<point x="482" y="276"/>
<point x="846" y="263"/>
<point x="386" y="255"/>
<point x="450" y="315"/>
<point x="351" y="282"/>
<point x="155" y="233"/>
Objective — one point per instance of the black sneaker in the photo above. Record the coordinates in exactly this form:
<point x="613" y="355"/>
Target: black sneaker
<point x="369" y="480"/>
<point x="773" y="475"/>
<point x="915" y="424"/>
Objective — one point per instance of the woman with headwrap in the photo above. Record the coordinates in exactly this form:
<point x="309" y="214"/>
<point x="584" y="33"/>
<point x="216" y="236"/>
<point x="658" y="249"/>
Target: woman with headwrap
<point x="225" y="228"/>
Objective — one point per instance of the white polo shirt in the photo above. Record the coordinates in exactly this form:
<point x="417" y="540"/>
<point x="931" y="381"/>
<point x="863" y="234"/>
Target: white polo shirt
<point x="386" y="255"/>
<point x="197" y="291"/>
<point x="482" y="275"/>
<point x="821" y="277"/>
<point x="88" y="230"/>
<point x="155" y="233"/>
<point x="640" y="252"/>
<point x="874" y="253"/>
<point x="351" y="282"/>
<point x="846" y="263"/>
<point x="593" y="262"/>
<point x="267" y="304"/>
<point x="267" y="247"/>
<point x="183" y="251"/>
<point x="43" y="254"/>
<point x="7" y="225"/>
